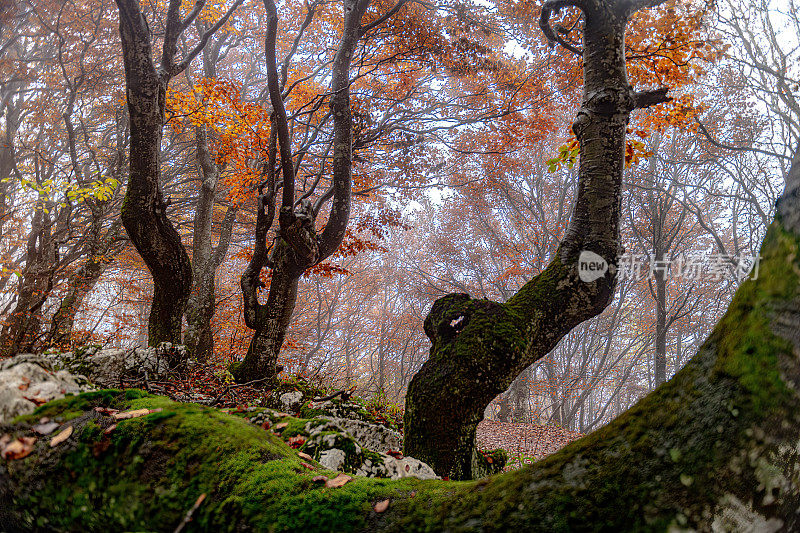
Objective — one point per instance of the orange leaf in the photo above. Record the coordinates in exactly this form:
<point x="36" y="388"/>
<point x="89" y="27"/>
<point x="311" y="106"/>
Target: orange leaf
<point x="381" y="506"/>
<point x="61" y="437"/>
<point x="339" y="481"/>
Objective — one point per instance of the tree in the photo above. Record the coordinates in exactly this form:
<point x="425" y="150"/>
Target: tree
<point x="144" y="209"/>
<point x="479" y="346"/>
<point x="297" y="246"/>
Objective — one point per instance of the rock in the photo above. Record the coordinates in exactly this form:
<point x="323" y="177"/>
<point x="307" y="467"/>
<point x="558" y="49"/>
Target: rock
<point x="375" y="437"/>
<point x="26" y="381"/>
<point x="332" y="459"/>
<point x="291" y="401"/>
<point x="353" y="446"/>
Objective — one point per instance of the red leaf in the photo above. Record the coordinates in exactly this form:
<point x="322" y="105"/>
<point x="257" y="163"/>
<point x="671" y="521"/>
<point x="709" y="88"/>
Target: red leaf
<point x="396" y="454"/>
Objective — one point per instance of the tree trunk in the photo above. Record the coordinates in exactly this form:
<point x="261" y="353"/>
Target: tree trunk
<point x="144" y="209"/>
<point x="660" y="358"/>
<point x="206" y="258"/>
<point x="297" y="245"/>
<point x="261" y="361"/>
<point x="21" y="330"/>
<point x="478" y="346"/>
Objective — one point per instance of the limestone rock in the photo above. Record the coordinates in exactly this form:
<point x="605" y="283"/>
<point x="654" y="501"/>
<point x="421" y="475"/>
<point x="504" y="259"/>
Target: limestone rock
<point x="291" y="401"/>
<point x="27" y="381"/>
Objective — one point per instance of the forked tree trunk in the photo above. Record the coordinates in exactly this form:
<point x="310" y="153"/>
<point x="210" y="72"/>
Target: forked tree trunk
<point x="479" y="346"/>
<point x="261" y="361"/>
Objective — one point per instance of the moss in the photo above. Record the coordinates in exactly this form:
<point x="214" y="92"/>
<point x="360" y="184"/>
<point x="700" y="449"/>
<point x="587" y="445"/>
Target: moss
<point x="149" y="471"/>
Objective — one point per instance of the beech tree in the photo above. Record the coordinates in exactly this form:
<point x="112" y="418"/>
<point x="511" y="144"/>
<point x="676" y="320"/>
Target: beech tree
<point x="479" y="347"/>
<point x="144" y="209"/>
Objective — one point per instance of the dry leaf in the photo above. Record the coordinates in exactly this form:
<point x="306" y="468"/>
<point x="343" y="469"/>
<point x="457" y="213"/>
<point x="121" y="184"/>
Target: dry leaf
<point x="279" y="427"/>
<point x="46" y="429"/>
<point x="306" y="465"/>
<point x="23" y="386"/>
<point x="319" y="479"/>
<point x="135" y="413"/>
<point x="282" y="415"/>
<point x="296" y="441"/>
<point x="36" y="399"/>
<point x="265" y="425"/>
<point x="305" y="456"/>
<point x="339" y="481"/>
<point x="381" y="506"/>
<point x="61" y="437"/>
<point x="106" y="410"/>
<point x="109" y="429"/>
<point x="396" y="454"/>
<point x="19" y="449"/>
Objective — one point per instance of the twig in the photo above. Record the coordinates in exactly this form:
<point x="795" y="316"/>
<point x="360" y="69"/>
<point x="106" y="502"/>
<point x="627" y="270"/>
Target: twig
<point x="190" y="512"/>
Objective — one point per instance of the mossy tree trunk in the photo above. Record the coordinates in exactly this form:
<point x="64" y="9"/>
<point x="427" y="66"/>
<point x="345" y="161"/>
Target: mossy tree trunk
<point x="479" y="346"/>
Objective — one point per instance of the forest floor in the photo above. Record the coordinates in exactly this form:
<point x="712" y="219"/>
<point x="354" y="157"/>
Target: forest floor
<point x="524" y="443"/>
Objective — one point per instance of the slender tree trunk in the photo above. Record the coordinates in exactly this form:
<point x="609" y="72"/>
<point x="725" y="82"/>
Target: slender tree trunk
<point x="21" y="330"/>
<point x="660" y="357"/>
<point x="206" y="258"/>
<point x="479" y="346"/>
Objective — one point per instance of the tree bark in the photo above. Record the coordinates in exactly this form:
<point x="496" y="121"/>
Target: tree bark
<point x="206" y="258"/>
<point x="479" y="346"/>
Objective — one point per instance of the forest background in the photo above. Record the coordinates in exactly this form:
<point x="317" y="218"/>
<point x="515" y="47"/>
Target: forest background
<point x="463" y="178"/>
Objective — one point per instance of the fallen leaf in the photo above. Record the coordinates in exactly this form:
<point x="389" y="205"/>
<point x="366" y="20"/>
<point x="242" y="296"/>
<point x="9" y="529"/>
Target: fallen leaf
<point x="283" y="415"/>
<point x="19" y="449"/>
<point x="23" y="386"/>
<point x="279" y="427"/>
<point x="36" y="399"/>
<point x="61" y="437"/>
<point x="265" y="425"/>
<point x="381" y="506"/>
<point x="109" y="429"/>
<point x="296" y="441"/>
<point x="339" y="481"/>
<point x="396" y="454"/>
<point x="46" y="429"/>
<point x="412" y="494"/>
<point x="319" y="479"/>
<point x="305" y="456"/>
<point x="106" y="410"/>
<point x="135" y="413"/>
<point x="408" y="468"/>
<point x="306" y="465"/>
